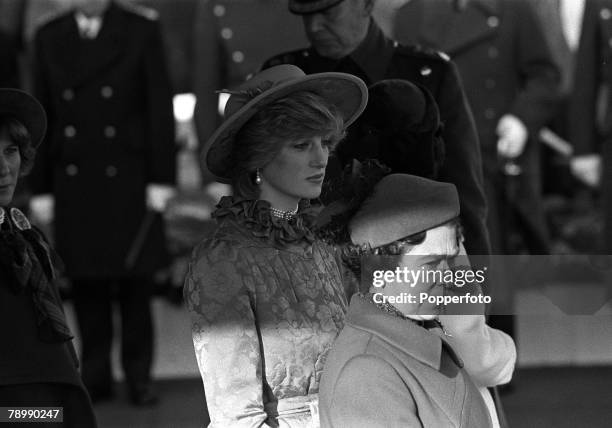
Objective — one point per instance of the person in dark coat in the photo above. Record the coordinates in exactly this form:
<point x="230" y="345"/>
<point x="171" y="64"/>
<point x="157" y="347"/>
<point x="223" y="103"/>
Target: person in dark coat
<point x="9" y="72"/>
<point x="101" y="74"/>
<point x="231" y="39"/>
<point x="591" y="125"/>
<point x="38" y="364"/>
<point x="344" y="38"/>
<point x="511" y="82"/>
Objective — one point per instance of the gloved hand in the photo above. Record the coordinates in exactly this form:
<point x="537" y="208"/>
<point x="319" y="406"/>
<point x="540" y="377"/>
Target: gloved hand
<point x="42" y="208"/>
<point x="587" y="168"/>
<point x="158" y="196"/>
<point x="512" y="135"/>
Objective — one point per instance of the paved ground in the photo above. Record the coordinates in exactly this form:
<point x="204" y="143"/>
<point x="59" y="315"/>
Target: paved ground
<point x="542" y="398"/>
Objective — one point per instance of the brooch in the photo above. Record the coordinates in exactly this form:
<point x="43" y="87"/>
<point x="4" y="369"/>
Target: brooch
<point x="20" y="220"/>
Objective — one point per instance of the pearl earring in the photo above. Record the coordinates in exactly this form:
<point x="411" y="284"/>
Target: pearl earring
<point x="257" y="177"/>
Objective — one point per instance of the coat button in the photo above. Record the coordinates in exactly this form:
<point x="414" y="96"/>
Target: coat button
<point x="70" y="131"/>
<point x="493" y="52"/>
<point x="490" y="83"/>
<point x="111" y="171"/>
<point x="237" y="56"/>
<point x="72" y="170"/>
<point x="493" y="21"/>
<point x="489" y="113"/>
<point x="227" y="33"/>
<point x="106" y="92"/>
<point x="425" y="71"/>
<point x="110" y="131"/>
<point x="68" y="95"/>
<point x="219" y="10"/>
<point x="605" y="13"/>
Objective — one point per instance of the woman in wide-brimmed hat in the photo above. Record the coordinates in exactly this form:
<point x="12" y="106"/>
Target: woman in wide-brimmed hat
<point x="265" y="296"/>
<point x="38" y="365"/>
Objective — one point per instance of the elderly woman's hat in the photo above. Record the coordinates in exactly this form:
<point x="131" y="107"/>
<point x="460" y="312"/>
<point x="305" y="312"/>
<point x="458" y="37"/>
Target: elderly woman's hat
<point x="27" y="110"/>
<point x="347" y="93"/>
<point x="402" y="205"/>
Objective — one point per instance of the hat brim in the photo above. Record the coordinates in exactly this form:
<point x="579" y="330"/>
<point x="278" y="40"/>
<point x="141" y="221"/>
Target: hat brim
<point x="306" y="8"/>
<point x="346" y="92"/>
<point x="27" y="110"/>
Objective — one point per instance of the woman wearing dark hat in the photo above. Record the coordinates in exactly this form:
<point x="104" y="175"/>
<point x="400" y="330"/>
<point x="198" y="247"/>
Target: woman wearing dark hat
<point x="265" y="296"/>
<point x="38" y="365"/>
<point x="400" y="127"/>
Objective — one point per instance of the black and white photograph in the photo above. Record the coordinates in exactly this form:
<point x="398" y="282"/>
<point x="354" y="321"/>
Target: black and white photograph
<point x="306" y="213"/>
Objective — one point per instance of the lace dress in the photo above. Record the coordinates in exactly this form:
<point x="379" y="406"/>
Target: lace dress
<point x="266" y="302"/>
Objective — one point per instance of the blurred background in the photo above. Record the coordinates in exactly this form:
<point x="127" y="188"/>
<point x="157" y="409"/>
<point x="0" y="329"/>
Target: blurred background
<point x="565" y="360"/>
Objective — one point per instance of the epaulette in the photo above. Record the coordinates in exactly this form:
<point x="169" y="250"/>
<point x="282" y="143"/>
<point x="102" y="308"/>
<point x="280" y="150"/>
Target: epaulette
<point x="145" y="12"/>
<point x="291" y="57"/>
<point x="423" y="52"/>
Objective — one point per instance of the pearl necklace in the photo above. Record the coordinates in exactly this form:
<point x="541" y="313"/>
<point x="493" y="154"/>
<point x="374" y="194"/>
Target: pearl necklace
<point x="285" y="215"/>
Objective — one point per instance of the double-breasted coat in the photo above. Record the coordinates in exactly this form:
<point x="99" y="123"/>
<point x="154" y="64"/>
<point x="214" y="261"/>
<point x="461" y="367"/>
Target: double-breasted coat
<point x="231" y="40"/>
<point x="111" y="132"/>
<point x="506" y="68"/>
<point x="378" y="58"/>
<point x="590" y="123"/>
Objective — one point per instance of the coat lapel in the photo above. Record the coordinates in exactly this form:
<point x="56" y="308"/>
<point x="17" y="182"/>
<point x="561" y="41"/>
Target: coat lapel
<point x="452" y="31"/>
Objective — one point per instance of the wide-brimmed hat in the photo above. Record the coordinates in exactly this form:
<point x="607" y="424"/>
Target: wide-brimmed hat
<point x="402" y="205"/>
<point x="346" y="92"/>
<point x="27" y="110"/>
<point x="304" y="7"/>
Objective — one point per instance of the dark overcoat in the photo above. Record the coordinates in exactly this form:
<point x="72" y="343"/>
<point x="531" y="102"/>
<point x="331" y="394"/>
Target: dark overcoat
<point x="507" y="68"/>
<point x="231" y="39"/>
<point x="9" y="72"/>
<point x="378" y="58"/>
<point x="33" y="371"/>
<point x="111" y="132"/>
<point x="591" y="124"/>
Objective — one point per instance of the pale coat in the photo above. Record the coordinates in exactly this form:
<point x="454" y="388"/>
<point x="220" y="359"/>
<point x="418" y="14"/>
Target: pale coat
<point x="385" y="371"/>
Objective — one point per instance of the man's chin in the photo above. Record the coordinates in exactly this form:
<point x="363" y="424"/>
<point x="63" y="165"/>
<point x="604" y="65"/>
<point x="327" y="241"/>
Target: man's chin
<point x="327" y="51"/>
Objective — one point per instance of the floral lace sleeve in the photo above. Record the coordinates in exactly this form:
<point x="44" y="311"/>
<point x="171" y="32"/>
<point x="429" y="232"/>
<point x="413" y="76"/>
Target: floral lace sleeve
<point x="225" y="336"/>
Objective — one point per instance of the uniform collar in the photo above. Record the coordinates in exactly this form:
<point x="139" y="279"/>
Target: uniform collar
<point x="410" y="338"/>
<point x="374" y="53"/>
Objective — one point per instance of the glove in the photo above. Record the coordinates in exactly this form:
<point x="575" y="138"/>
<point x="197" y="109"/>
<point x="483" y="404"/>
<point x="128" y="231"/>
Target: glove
<point x="587" y="168"/>
<point x="42" y="208"/>
<point x="158" y="196"/>
<point x="512" y="135"/>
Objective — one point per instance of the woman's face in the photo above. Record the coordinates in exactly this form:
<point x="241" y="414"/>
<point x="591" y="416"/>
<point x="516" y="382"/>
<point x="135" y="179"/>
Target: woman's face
<point x="441" y="245"/>
<point x="296" y="172"/>
<point x="10" y="163"/>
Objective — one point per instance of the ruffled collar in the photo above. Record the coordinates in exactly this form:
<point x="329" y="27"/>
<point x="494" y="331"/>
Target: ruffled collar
<point x="255" y="216"/>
